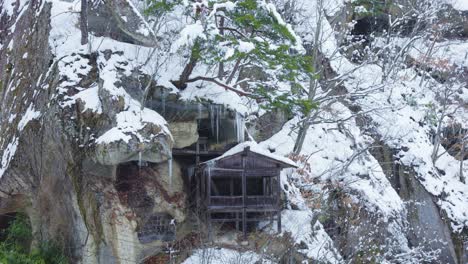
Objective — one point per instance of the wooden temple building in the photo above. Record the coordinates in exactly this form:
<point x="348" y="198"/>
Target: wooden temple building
<point x="242" y="185"/>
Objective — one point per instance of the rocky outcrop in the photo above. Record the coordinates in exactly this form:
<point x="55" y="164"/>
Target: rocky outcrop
<point x="185" y="133"/>
<point x="268" y="124"/>
<point x="428" y="226"/>
<point x="62" y="163"/>
<point x="118" y="19"/>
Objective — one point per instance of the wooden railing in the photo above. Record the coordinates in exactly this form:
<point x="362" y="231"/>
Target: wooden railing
<point x="236" y="201"/>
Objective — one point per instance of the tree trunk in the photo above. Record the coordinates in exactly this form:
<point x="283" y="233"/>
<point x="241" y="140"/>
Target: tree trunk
<point x="184" y="77"/>
<point x="462" y="155"/>
<point x="313" y="84"/>
<point x="84" y="22"/>
<point x="221" y="64"/>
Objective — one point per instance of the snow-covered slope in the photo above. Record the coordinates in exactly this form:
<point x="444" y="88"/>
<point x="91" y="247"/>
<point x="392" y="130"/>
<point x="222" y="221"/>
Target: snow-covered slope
<point x="378" y="179"/>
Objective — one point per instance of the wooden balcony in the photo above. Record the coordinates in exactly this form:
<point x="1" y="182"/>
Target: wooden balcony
<point x="252" y="203"/>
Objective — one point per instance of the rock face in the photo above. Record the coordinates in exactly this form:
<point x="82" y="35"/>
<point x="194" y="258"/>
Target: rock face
<point x="93" y="169"/>
<point x="268" y="124"/>
<point x="428" y="227"/>
<point x="64" y="155"/>
<point x="184" y="133"/>
<point x="119" y="20"/>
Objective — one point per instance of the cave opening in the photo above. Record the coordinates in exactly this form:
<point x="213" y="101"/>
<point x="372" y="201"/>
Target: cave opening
<point x="16" y="231"/>
<point x="130" y="185"/>
<point x="5" y="222"/>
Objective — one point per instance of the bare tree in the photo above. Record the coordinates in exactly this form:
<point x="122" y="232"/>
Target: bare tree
<point x="313" y="84"/>
<point x="462" y="156"/>
<point x="84" y="22"/>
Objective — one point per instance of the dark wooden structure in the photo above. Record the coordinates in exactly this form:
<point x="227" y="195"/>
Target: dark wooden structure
<point x="241" y="186"/>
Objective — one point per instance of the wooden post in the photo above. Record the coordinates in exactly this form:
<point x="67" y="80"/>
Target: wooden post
<point x="231" y="192"/>
<point x="210" y="226"/>
<point x="208" y="188"/>
<point x="197" y="191"/>
<point x="208" y="202"/>
<point x="202" y="188"/>
<point x="278" y="198"/>
<point x="197" y="155"/>
<point x="244" y="194"/>
<point x="231" y="186"/>
<point x="264" y="188"/>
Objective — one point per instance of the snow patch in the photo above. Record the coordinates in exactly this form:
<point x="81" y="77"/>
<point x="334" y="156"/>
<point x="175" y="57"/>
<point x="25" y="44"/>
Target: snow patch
<point x="224" y="255"/>
<point x="460" y="4"/>
<point x="245" y="47"/>
<point x="188" y="35"/>
<point x="8" y="154"/>
<point x="319" y="245"/>
<point x="90" y="98"/>
<point x="29" y="115"/>
<point x="254" y="147"/>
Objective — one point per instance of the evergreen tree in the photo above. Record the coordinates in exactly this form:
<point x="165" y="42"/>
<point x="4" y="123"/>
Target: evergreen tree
<point x="256" y="53"/>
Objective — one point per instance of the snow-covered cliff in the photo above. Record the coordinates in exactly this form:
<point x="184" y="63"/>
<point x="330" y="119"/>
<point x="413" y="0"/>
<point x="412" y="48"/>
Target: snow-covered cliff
<point x="383" y="164"/>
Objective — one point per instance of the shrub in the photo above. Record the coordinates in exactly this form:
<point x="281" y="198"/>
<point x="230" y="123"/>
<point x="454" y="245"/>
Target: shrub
<point x="16" y="248"/>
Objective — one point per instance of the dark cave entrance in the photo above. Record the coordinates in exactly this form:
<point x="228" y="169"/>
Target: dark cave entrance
<point x="130" y="185"/>
<point x="131" y="179"/>
<point x="5" y="222"/>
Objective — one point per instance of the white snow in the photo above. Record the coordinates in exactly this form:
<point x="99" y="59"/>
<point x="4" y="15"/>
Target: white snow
<point x="333" y="155"/>
<point x="144" y="28"/>
<point x="12" y="7"/>
<point x="8" y="154"/>
<point x="134" y="118"/>
<point x="320" y="246"/>
<point x="336" y="153"/>
<point x="225" y="256"/>
<point x="9" y="6"/>
<point x="29" y="115"/>
<point x="218" y="95"/>
<point x="188" y="35"/>
<point x="272" y="9"/>
<point x="245" y="47"/>
<point x="228" y="6"/>
<point x="460" y="4"/>
<point x="401" y="124"/>
<point x="256" y="148"/>
<point x="65" y="38"/>
<point x="90" y="97"/>
<point x="394" y="121"/>
<point x="11" y="118"/>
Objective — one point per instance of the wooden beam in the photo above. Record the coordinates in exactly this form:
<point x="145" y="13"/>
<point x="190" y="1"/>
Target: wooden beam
<point x="244" y="194"/>
<point x="210" y="226"/>
<point x="278" y="197"/>
<point x="235" y="173"/>
<point x="189" y="152"/>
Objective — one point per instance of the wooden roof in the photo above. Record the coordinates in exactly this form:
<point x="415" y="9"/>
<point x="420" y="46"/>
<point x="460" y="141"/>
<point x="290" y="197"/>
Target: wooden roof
<point x="258" y="157"/>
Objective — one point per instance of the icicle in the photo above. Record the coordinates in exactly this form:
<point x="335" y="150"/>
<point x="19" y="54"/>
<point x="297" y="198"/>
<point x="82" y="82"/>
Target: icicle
<point x="242" y="131"/>
<point x="169" y="169"/>
<point x="140" y="159"/>
<point x="236" y="127"/>
<point x="199" y="111"/>
<point x="209" y="170"/>
<point x="163" y="102"/>
<point x="191" y="171"/>
<point x="212" y="119"/>
<point x="218" y="113"/>
<point x="240" y="126"/>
